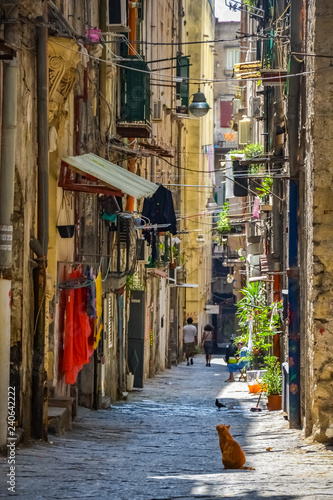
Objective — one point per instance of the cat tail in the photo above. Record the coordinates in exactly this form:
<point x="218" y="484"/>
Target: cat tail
<point x="248" y="468"/>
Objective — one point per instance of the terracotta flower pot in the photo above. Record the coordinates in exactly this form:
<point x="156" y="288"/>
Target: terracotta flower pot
<point x="274" y="402"/>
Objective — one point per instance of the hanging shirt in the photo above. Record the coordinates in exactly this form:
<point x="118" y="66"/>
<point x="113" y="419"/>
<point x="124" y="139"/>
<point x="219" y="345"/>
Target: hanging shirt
<point x="159" y="209"/>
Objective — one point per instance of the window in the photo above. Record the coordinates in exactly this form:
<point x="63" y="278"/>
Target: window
<point x="225" y="113"/>
<point x="182" y="87"/>
<point x="232" y="58"/>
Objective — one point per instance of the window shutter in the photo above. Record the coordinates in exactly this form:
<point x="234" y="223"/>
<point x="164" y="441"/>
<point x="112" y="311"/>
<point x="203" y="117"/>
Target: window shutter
<point x="225" y="113"/>
<point x="135" y="92"/>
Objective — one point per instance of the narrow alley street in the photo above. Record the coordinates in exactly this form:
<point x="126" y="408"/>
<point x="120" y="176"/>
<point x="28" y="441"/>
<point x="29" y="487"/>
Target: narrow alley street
<point x="162" y="444"/>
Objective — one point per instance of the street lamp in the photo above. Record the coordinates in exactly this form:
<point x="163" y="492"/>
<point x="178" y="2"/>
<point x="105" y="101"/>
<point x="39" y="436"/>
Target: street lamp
<point x="199" y="106"/>
<point x="230" y="278"/>
<point x="200" y="238"/>
<point x="211" y="204"/>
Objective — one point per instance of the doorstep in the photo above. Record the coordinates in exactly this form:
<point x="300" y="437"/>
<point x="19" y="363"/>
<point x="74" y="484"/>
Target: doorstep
<point x="58" y="420"/>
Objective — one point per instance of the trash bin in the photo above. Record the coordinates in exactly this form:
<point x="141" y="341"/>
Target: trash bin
<point x="130" y="381"/>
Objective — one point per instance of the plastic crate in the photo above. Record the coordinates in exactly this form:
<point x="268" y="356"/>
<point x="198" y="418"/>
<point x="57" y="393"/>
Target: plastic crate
<point x="253" y="375"/>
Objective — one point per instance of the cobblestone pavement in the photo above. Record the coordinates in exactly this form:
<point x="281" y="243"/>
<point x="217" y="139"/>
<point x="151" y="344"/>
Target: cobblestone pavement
<point x="162" y="444"/>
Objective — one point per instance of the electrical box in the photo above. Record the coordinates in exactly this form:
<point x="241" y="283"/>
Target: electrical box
<point x="255" y="107"/>
<point x="142" y="251"/>
<point x="236" y="105"/>
<point x="157" y="110"/>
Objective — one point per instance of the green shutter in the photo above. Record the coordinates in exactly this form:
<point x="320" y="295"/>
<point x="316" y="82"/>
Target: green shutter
<point x="135" y="92"/>
<point x="269" y="51"/>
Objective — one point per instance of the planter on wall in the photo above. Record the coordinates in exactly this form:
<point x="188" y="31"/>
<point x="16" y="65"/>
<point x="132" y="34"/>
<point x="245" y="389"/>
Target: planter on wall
<point x="66" y="231"/>
<point x="266" y="208"/>
<point x="240" y="187"/>
<point x="274" y="402"/>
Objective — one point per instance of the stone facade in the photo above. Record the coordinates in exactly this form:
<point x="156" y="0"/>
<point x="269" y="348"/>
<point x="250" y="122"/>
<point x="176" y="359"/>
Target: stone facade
<point x="318" y="210"/>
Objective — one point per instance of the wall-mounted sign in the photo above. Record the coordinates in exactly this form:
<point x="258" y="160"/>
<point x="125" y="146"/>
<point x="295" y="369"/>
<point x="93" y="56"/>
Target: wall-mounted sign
<point x="212" y="309"/>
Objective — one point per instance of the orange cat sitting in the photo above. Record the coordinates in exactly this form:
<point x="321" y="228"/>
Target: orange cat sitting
<point x="233" y="457"/>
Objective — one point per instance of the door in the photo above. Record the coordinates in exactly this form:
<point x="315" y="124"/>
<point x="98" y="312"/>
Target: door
<point x="136" y="332"/>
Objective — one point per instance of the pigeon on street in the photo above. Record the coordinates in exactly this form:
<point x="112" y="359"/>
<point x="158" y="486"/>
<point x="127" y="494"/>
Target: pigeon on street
<point x="219" y="405"/>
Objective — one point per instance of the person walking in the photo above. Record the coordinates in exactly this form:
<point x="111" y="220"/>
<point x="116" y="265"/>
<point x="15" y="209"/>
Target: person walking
<point x="208" y="339"/>
<point x="189" y="340"/>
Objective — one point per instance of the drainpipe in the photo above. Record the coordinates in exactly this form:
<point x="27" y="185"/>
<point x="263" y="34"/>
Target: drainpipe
<point x="7" y="176"/>
<point x="294" y="341"/>
<point x="132" y="15"/>
<point x="39" y="387"/>
<point x="77" y="112"/>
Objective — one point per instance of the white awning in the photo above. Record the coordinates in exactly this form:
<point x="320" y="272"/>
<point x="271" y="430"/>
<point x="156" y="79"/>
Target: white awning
<point x="111" y="175"/>
<point x="187" y="285"/>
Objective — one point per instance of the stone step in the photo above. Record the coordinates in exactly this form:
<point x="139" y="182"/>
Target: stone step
<point x="106" y="403"/>
<point x="59" y="420"/>
<point x="64" y="402"/>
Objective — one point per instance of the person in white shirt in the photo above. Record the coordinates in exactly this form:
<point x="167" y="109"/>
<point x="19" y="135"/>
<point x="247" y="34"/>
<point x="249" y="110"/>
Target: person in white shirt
<point x="189" y="340"/>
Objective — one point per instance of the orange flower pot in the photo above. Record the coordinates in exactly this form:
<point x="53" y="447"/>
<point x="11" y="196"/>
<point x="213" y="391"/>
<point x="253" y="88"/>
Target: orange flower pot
<point x="274" y="402"/>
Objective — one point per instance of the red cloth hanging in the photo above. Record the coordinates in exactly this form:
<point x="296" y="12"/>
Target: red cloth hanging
<point x="77" y="331"/>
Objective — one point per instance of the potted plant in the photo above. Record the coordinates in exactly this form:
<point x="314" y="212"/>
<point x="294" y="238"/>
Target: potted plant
<point x="255" y="319"/>
<point x="223" y="224"/>
<point x="265" y="190"/>
<point x="251" y="151"/>
<point x="272" y="382"/>
<point x="174" y="257"/>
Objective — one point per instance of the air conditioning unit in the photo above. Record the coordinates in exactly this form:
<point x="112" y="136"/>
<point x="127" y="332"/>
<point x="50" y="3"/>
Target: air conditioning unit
<point x="244" y="130"/>
<point x="236" y="105"/>
<point x="142" y="251"/>
<point x="116" y="14"/>
<point x="255" y="107"/>
<point x="157" y="110"/>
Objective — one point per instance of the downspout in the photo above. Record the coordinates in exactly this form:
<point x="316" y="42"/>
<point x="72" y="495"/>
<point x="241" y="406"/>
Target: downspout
<point x="294" y="340"/>
<point x="77" y="112"/>
<point x="121" y="343"/>
<point x="39" y="387"/>
<point x="7" y="177"/>
<point x="132" y="15"/>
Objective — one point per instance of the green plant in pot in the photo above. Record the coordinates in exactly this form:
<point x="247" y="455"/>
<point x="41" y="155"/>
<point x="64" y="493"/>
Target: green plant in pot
<point x="272" y="383"/>
<point x="236" y="153"/>
<point x="223" y="224"/>
<point x="254" y="314"/>
<point x="251" y="151"/>
<point x="265" y="188"/>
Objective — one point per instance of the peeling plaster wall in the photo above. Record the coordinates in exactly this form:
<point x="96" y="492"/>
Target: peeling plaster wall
<point x="23" y="222"/>
<point x="319" y="224"/>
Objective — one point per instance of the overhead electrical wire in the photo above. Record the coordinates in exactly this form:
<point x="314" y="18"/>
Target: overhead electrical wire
<point x="194" y="42"/>
<point x="201" y="81"/>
